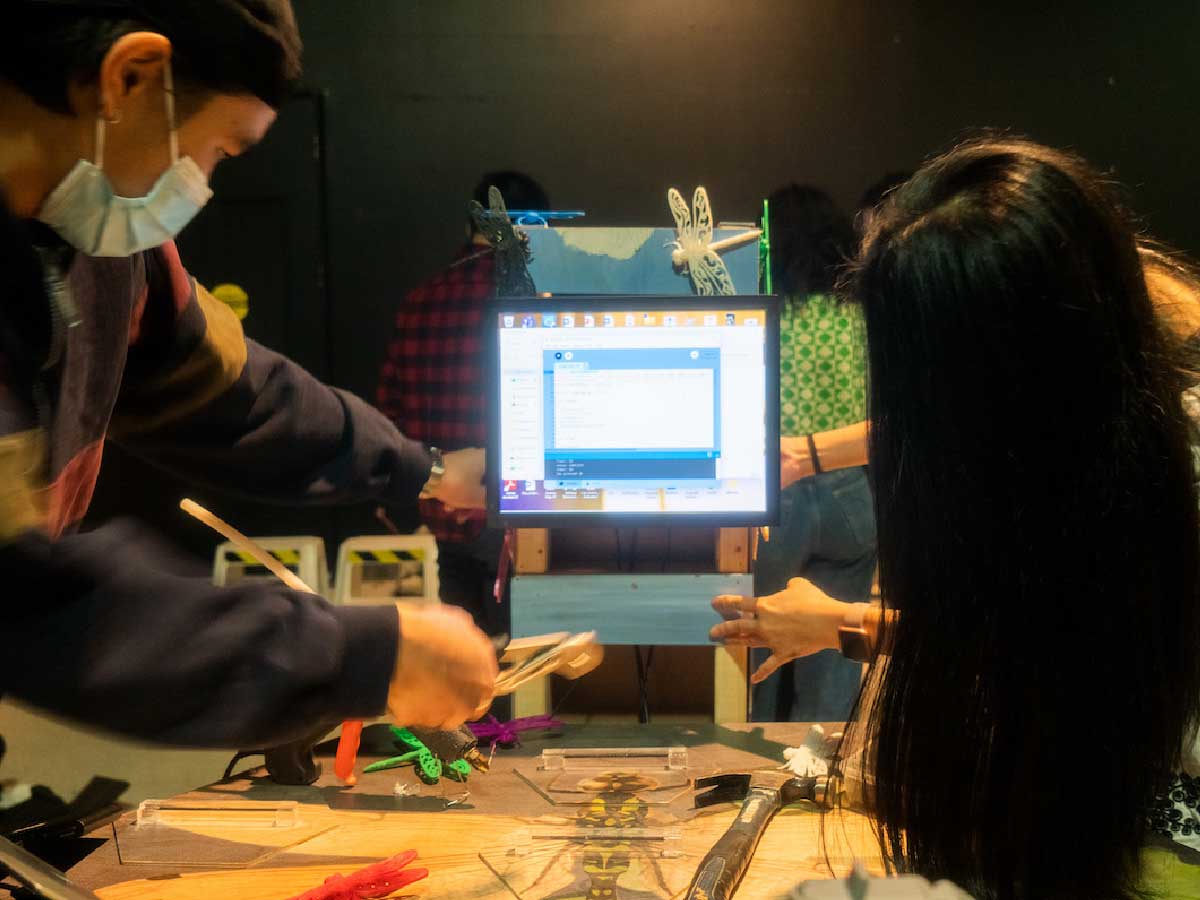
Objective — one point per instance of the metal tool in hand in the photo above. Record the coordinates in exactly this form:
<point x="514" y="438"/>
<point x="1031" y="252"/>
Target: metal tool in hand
<point x="762" y="794"/>
<point x="569" y="655"/>
<point x="434" y="752"/>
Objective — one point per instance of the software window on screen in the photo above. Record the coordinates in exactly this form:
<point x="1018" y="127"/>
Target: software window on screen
<point x="649" y="411"/>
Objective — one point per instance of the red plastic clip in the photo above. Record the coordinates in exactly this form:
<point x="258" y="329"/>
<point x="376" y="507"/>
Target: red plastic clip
<point x="378" y="880"/>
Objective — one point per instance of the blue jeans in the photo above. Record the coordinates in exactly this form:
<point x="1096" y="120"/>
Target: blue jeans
<point x="826" y="533"/>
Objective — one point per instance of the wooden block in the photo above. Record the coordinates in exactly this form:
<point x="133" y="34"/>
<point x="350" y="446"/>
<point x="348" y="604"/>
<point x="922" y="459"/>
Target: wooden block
<point x="532" y="551"/>
<point x="733" y="550"/>
<point x="731" y="685"/>
<point x="671" y="610"/>
<point x="532" y="699"/>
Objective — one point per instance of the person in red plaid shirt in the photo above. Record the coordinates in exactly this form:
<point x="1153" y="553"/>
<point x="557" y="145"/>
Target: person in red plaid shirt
<point x="431" y="386"/>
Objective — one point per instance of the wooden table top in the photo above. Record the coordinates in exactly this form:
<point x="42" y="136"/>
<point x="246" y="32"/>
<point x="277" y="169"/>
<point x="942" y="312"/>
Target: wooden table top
<point x="520" y="831"/>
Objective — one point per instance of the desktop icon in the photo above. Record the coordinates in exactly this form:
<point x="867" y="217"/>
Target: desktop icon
<point x="527" y="322"/>
<point x="647" y="319"/>
<point x="589" y="321"/>
<point x="752" y="321"/>
<point x="510" y="321"/>
<point x="510" y="487"/>
<point x="630" y="321"/>
<point x="710" y="320"/>
<point x="669" y="321"/>
<point x="550" y="321"/>
<point x="608" y="321"/>
<point x="730" y="319"/>
<point x="568" y="320"/>
<point x="530" y="487"/>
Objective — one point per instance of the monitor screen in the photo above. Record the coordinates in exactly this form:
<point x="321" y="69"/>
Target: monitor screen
<point x="634" y="410"/>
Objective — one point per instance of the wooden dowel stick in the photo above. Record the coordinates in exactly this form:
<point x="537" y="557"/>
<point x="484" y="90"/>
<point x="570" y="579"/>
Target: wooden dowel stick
<point x="243" y="543"/>
<point x="506" y="682"/>
<point x="736" y="241"/>
<point x="678" y="257"/>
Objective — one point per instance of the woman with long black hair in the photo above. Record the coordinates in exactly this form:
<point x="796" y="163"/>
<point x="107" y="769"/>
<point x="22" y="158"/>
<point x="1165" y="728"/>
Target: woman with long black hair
<point x="1036" y="676"/>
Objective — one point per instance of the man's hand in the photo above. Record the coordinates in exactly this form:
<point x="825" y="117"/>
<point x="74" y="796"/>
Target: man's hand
<point x="798" y="621"/>
<point x="446" y="671"/>
<point x="462" y="485"/>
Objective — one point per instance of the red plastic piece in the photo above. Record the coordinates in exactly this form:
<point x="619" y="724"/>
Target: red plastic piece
<point x="347" y="751"/>
<point x="379" y="880"/>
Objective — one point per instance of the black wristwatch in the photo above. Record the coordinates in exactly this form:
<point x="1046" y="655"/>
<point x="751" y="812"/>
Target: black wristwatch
<point x="852" y="636"/>
<point x="437" y="470"/>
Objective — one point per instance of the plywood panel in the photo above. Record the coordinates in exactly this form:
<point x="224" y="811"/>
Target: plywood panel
<point x="733" y="550"/>
<point x="731" y="687"/>
<point x="532" y="551"/>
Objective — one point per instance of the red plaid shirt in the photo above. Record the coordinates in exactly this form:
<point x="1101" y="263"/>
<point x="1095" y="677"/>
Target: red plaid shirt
<point x="431" y="384"/>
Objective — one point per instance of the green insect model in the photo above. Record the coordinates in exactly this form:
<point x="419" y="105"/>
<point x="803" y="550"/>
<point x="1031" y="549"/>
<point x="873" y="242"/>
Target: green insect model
<point x="430" y="767"/>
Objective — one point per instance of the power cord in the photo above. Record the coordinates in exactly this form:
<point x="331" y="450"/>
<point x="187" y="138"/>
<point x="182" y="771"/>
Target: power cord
<point x="643" y="678"/>
<point x="643" y="664"/>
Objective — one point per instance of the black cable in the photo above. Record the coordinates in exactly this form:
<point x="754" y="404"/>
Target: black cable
<point x="649" y="664"/>
<point x="237" y="758"/>
<point x="563" y="699"/>
<point x="643" y="699"/>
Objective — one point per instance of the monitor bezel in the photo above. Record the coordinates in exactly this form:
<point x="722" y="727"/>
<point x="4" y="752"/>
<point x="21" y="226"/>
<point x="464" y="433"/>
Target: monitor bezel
<point x="602" y="303"/>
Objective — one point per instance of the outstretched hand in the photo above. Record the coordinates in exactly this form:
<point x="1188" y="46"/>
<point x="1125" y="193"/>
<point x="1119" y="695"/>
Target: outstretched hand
<point x="798" y="621"/>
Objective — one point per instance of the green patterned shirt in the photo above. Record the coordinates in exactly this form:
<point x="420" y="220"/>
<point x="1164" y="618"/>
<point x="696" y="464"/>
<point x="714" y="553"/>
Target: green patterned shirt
<point x="822" y="364"/>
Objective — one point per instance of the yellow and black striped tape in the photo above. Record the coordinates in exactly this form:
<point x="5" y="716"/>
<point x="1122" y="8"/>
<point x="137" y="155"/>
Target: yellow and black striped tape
<point x="385" y="556"/>
<point x="287" y="557"/>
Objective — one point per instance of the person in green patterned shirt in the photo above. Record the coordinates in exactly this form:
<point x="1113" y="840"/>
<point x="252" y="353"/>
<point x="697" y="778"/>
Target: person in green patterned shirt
<point x="827" y="527"/>
<point x="822" y="365"/>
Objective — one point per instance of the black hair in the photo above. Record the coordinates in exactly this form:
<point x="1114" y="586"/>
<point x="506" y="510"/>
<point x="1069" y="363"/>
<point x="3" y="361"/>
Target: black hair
<point x="519" y="190"/>
<point x="219" y="46"/>
<point x="811" y="240"/>
<point x="1038" y="529"/>
<point x="877" y="192"/>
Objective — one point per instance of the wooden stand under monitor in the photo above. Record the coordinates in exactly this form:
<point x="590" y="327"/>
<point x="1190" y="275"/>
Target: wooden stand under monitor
<point x="639" y="607"/>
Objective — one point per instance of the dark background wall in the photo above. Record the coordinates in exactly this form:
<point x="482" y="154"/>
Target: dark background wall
<point x="360" y="190"/>
<point x="610" y="102"/>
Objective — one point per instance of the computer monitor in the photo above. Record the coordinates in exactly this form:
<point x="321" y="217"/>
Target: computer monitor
<point x="630" y="411"/>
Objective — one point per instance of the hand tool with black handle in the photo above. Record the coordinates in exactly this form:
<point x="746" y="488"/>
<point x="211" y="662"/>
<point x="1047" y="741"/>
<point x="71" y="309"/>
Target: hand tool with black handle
<point x="763" y="794"/>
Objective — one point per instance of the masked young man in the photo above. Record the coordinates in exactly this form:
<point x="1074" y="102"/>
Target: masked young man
<point x="113" y="115"/>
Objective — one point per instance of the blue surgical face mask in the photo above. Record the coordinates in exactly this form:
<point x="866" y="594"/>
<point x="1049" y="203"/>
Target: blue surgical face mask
<point x="87" y="213"/>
